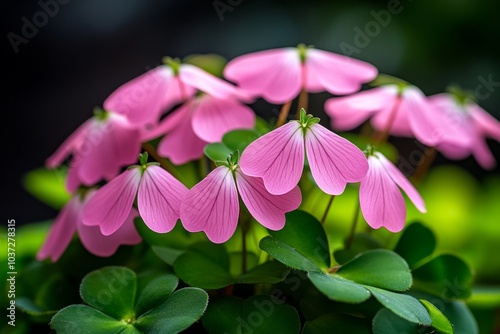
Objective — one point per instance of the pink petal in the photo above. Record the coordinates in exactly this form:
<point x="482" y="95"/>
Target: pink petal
<point x="334" y="161"/>
<point x="402" y="182"/>
<point x="196" y="77"/>
<point x="167" y="124"/>
<point x="72" y="180"/>
<point x="336" y="73"/>
<point x="267" y="209"/>
<point x="486" y="123"/>
<point x="400" y="124"/>
<point x="277" y="157"/>
<point x="100" y="245"/>
<point x="177" y="92"/>
<point x="142" y="99"/>
<point x="212" y="206"/>
<point x="111" y="205"/>
<point x="61" y="232"/>
<point x="159" y="199"/>
<point x="452" y="151"/>
<point x="350" y="111"/>
<point x="381" y="201"/>
<point x="483" y="155"/>
<point x="276" y="74"/>
<point x="214" y="117"/>
<point x="69" y="145"/>
<point x="181" y="144"/>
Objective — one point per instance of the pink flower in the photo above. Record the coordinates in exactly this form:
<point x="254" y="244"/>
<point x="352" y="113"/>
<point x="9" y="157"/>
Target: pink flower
<point x="204" y="120"/>
<point x="405" y="109"/>
<point x="381" y="201"/>
<point x="278" y="157"/>
<point x="469" y="124"/>
<point x="212" y="205"/>
<point x="69" y="221"/>
<point x="100" y="147"/>
<point x="278" y="75"/>
<point x="144" y="99"/>
<point x="159" y="197"/>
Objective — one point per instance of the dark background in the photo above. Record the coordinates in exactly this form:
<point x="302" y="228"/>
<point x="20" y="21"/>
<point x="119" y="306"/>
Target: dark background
<point x="90" y="47"/>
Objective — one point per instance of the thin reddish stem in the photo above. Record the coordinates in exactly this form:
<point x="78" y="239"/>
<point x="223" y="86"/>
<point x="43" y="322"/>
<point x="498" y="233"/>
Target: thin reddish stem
<point x="285" y="109"/>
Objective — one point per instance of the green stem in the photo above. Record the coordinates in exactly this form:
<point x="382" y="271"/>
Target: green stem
<point x="350" y="238"/>
<point x="323" y="219"/>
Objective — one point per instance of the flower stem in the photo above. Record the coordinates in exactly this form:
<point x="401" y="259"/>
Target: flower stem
<point x="243" y="248"/>
<point x="381" y="137"/>
<point x="323" y="219"/>
<point x="285" y="109"/>
<point x="350" y="238"/>
<point x="163" y="162"/>
<point x="303" y="102"/>
<point x="423" y="167"/>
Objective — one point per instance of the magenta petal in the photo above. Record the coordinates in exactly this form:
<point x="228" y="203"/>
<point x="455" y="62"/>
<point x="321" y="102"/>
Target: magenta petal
<point x="214" y="117"/>
<point x="61" y="232"/>
<point x="380" y="199"/>
<point x="487" y="124"/>
<point x="159" y="199"/>
<point x="70" y="144"/>
<point x="482" y="153"/>
<point x="111" y="205"/>
<point x="100" y="245"/>
<point x="334" y="161"/>
<point x="142" y="99"/>
<point x="350" y="111"/>
<point x="212" y="206"/>
<point x="402" y="182"/>
<point x="269" y="210"/>
<point x="276" y="74"/>
<point x="181" y="144"/>
<point x="336" y="73"/>
<point x="277" y="157"/>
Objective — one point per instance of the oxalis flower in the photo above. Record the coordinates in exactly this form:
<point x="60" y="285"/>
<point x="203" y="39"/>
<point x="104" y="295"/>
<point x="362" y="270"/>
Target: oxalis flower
<point x="212" y="205"/>
<point x="278" y="157"/>
<point x="382" y="203"/>
<point x="278" y="75"/>
<point x="69" y="221"/>
<point x="100" y="147"/>
<point x="159" y="197"/>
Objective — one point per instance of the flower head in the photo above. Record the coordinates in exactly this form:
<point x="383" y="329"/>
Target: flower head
<point x="100" y="147"/>
<point x="159" y="197"/>
<point x="278" y="75"/>
<point x="69" y="221"/>
<point x="278" y="157"/>
<point x="212" y="205"/>
<point x="381" y="201"/>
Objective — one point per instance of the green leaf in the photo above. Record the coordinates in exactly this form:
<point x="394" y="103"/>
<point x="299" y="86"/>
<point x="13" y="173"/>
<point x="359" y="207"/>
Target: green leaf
<point x="404" y="306"/>
<point x="212" y="63"/>
<point x="338" y="288"/>
<point x="167" y="254"/>
<point x="183" y="308"/>
<point x="379" y="268"/>
<point x="111" y="290"/>
<point x="361" y="243"/>
<point x="416" y="243"/>
<point x="386" y="322"/>
<point x="485" y="297"/>
<point x="439" y="321"/>
<point x="268" y="272"/>
<point x="217" y="152"/>
<point x="48" y="186"/>
<point x="447" y="276"/>
<point x="155" y="292"/>
<point x="239" y="139"/>
<point x="340" y="322"/>
<point x="83" y="319"/>
<point x="223" y="315"/>
<point x="301" y="244"/>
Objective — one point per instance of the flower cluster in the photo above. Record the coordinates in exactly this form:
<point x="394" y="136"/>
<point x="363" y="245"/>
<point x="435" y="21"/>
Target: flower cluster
<point x="200" y="108"/>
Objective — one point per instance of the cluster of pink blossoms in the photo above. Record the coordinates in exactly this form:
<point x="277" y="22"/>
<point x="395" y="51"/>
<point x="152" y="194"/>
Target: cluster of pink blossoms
<point x="201" y="108"/>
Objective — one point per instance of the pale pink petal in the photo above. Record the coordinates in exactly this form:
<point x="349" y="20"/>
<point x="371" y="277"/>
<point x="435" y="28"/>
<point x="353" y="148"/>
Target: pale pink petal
<point x="333" y="160"/>
<point x="69" y="145"/>
<point x="214" y="117"/>
<point x="111" y="205"/>
<point x="181" y="144"/>
<point x="380" y="199"/>
<point x="159" y="199"/>
<point x="336" y="73"/>
<point x="61" y="232"/>
<point x="402" y="182"/>
<point x="267" y="209"/>
<point x="487" y="124"/>
<point x="142" y="99"/>
<point x="100" y="245"/>
<point x="452" y="151"/>
<point x="276" y="74"/>
<point x="482" y="153"/>
<point x="177" y="92"/>
<point x="400" y="123"/>
<point x="167" y="124"/>
<point x="350" y="111"/>
<point x="212" y="206"/>
<point x="277" y="157"/>
<point x="193" y="76"/>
